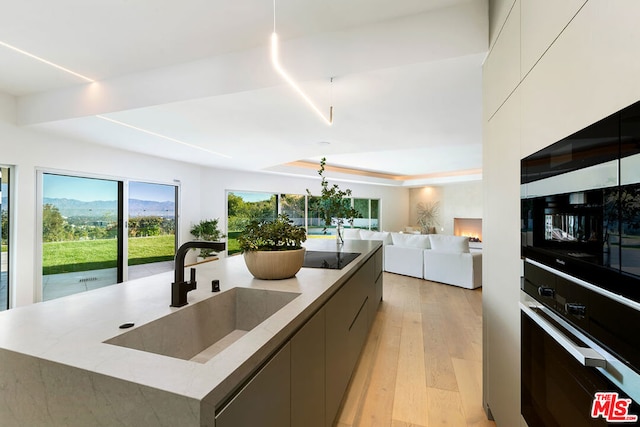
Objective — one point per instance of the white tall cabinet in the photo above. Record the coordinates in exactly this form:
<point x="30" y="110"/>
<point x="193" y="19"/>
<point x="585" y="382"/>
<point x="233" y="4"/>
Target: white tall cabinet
<point x="553" y="68"/>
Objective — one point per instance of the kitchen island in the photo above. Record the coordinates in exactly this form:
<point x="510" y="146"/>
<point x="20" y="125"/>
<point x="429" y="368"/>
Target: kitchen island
<point x="67" y="362"/>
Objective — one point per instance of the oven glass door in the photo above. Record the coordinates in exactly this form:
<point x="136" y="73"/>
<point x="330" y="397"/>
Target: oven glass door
<point x="556" y="389"/>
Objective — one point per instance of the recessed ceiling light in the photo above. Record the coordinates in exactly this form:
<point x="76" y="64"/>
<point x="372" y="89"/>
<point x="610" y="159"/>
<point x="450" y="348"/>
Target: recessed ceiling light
<point x="118" y="122"/>
<point x="324" y="143"/>
<point x="37" y="58"/>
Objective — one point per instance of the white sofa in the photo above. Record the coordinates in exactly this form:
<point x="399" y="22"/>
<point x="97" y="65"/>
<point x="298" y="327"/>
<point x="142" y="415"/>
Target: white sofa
<point x="451" y="261"/>
<point x="440" y="258"/>
<point x="406" y="254"/>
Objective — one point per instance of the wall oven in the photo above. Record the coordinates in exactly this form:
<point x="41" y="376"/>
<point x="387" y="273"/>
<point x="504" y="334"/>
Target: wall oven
<point x="580" y="299"/>
<point x="580" y="352"/>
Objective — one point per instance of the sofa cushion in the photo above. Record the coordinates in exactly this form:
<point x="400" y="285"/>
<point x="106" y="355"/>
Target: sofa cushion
<point x="454" y="244"/>
<point x="411" y="240"/>
<point x="404" y="260"/>
<point x="351" y="233"/>
<point x="376" y="235"/>
<point x="460" y="269"/>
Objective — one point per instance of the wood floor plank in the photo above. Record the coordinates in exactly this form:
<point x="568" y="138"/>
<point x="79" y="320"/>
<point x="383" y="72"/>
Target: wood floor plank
<point x="411" y="295"/>
<point x="438" y="366"/>
<point x="475" y="300"/>
<point x="410" y="402"/>
<point x="469" y="374"/>
<point x="445" y="408"/>
<point x="422" y="363"/>
<point x="397" y="423"/>
<point x="377" y="408"/>
<point x="460" y="318"/>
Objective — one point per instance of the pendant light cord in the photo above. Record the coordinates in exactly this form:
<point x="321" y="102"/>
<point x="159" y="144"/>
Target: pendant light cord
<point x="330" y="99"/>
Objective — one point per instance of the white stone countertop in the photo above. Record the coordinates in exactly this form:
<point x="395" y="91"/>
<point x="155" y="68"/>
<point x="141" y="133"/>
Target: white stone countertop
<point x="71" y="330"/>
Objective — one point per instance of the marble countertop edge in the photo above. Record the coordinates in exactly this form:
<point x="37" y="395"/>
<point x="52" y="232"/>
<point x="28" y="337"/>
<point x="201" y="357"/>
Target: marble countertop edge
<point x="71" y="330"/>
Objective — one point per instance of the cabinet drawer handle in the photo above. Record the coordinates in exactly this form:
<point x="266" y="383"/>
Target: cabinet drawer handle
<point x="585" y="355"/>
<point x="358" y="314"/>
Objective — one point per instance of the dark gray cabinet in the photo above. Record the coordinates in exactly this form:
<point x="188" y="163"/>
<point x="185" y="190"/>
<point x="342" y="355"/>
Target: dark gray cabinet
<point x="349" y="315"/>
<point x="266" y="399"/>
<point x="377" y="287"/>
<point x="340" y="314"/>
<point x="304" y="383"/>
<point x="308" y="374"/>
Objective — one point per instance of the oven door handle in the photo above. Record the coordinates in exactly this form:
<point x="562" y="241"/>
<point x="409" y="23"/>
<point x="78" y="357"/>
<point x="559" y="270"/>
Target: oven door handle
<point x="585" y="355"/>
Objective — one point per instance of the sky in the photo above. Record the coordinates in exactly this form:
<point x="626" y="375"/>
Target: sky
<point x="154" y="192"/>
<point x="84" y="189"/>
<point x="90" y="189"/>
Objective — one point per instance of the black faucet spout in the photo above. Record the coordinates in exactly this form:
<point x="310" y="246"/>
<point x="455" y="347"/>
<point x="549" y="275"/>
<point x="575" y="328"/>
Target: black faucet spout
<point x="179" y="287"/>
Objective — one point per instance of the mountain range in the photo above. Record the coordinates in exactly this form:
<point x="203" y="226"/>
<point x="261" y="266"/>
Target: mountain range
<point x="100" y="208"/>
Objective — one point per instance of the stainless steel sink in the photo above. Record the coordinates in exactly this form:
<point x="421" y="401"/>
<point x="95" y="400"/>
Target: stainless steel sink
<point x="200" y="331"/>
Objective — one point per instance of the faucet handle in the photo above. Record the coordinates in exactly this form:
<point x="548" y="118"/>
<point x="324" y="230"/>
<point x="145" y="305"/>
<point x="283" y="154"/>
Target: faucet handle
<point x="192" y="273"/>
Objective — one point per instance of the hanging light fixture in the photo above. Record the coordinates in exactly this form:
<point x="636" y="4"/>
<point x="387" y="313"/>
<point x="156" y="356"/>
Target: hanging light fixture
<point x="276" y="65"/>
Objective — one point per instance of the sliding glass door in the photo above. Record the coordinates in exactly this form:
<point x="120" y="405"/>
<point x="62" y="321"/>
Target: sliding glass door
<point x="82" y="244"/>
<point x="4" y="237"/>
<point x="152" y="228"/>
<point x="303" y="210"/>
<point x="83" y="232"/>
<point x="246" y="206"/>
<point x="368" y="214"/>
<point x="294" y="206"/>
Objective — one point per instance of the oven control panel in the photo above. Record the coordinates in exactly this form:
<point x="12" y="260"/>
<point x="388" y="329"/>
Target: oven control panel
<point x="612" y="321"/>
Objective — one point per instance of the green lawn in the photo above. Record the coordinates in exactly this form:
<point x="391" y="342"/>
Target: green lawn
<point x="84" y="255"/>
<point x="143" y="250"/>
<point x="232" y="243"/>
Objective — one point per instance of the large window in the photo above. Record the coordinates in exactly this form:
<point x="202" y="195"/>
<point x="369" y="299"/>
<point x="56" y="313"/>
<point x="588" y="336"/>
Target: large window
<point x="151" y="228"/>
<point x="301" y="209"/>
<point x="4" y="237"/>
<point x="244" y="206"/>
<point x="83" y="232"/>
<point x="368" y="214"/>
<point x="294" y="206"/>
<point x="316" y="226"/>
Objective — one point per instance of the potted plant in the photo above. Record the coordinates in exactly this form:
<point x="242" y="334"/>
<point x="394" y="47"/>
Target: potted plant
<point x="273" y="249"/>
<point x="207" y="230"/>
<point x="333" y="205"/>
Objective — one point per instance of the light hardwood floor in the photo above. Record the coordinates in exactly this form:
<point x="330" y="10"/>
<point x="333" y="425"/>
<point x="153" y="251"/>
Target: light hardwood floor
<point x="422" y="363"/>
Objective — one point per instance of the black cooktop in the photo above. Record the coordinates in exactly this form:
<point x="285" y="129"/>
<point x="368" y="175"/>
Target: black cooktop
<point x="330" y="260"/>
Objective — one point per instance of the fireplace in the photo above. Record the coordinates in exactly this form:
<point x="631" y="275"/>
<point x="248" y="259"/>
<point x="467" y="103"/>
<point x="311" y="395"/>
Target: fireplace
<point x="471" y="227"/>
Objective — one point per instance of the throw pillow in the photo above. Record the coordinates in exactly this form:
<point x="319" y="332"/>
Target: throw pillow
<point x="411" y="240"/>
<point x="455" y="244"/>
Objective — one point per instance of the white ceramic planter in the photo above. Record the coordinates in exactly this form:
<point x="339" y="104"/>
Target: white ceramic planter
<point x="274" y="265"/>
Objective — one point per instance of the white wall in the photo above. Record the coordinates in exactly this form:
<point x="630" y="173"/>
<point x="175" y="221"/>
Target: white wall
<point x="456" y="200"/>
<point x="428" y="196"/>
<point x="203" y="190"/>
<point x="461" y="200"/>
<point x="554" y="68"/>
<point x="28" y="150"/>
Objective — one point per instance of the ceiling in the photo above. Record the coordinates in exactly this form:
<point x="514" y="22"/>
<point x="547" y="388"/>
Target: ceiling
<point x="193" y="81"/>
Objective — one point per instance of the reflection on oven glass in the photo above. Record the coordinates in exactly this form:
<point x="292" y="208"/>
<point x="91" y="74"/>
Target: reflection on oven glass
<point x="630" y="229"/>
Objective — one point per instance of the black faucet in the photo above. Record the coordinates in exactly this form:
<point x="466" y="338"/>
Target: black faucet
<point x="180" y="288"/>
